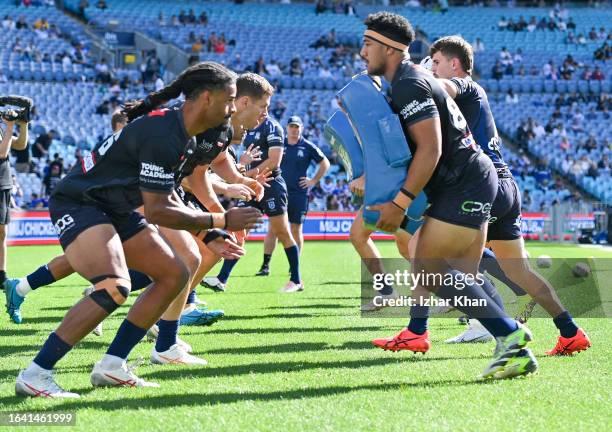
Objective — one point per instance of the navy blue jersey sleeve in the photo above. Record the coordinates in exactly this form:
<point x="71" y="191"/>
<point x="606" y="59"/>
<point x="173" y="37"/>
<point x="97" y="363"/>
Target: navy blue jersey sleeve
<point x="413" y="100"/>
<point x="158" y="158"/>
<point x="315" y="152"/>
<point x="275" y="136"/>
<point x="465" y="88"/>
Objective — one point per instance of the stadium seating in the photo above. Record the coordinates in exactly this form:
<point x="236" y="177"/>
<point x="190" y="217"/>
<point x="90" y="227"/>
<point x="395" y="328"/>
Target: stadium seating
<point x="280" y="32"/>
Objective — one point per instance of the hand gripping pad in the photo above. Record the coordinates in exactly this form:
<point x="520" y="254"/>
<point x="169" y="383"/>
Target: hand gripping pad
<point x="339" y="133"/>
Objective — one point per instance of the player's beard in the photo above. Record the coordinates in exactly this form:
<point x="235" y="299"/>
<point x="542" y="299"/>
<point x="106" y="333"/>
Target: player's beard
<point x="376" y="70"/>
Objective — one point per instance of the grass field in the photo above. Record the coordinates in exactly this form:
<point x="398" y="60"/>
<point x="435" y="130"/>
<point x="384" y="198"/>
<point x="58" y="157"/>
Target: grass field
<point x="304" y="361"/>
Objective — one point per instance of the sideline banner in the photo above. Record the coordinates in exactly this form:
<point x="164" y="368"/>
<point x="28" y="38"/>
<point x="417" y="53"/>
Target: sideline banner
<point x="35" y="228"/>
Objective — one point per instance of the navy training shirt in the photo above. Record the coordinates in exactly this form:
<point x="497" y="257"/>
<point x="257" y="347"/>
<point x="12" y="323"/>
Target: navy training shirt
<point x="474" y="104"/>
<point x="141" y="156"/>
<point x="416" y="96"/>
<point x="296" y="160"/>
<point x="267" y="135"/>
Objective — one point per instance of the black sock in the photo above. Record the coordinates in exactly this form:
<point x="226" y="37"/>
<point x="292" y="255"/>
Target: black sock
<point x="566" y="325"/>
<point x="2" y="276"/>
<point x="489" y="264"/>
<point x="266" y="261"/>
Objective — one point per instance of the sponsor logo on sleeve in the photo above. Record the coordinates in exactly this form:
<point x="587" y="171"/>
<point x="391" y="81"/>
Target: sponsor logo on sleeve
<point x="415" y="107"/>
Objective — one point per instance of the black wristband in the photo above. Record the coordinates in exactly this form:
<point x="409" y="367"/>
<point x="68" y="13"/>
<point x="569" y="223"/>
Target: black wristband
<point x="215" y="234"/>
<point x="398" y="206"/>
<point x="224" y="221"/>
<point x="408" y="193"/>
<point x="212" y="222"/>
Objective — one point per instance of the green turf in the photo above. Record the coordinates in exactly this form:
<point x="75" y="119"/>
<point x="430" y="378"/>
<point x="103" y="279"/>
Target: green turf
<point x="304" y="361"/>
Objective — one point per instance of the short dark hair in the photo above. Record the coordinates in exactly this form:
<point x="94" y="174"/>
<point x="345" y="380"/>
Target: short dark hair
<point x="391" y="25"/>
<point x="455" y="47"/>
<point x="253" y="85"/>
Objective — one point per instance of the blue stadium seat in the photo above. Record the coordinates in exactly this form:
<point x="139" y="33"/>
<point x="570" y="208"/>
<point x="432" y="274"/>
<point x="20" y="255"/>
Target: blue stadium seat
<point x="549" y="86"/>
<point x="561" y="86"/>
<point x="583" y="86"/>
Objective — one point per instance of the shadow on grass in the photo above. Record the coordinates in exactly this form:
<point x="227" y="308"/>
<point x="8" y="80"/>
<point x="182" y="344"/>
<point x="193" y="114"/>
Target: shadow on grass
<point x="278" y="316"/>
<point x="284" y="367"/>
<point x="287" y="330"/>
<point x="313" y="306"/>
<point x="177" y="400"/>
<point x="340" y="283"/>
<point x="16" y="331"/>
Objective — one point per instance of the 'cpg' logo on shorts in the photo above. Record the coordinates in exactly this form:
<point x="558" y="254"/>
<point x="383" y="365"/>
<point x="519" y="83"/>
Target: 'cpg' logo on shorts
<point x="64" y="224"/>
<point x="472" y="207"/>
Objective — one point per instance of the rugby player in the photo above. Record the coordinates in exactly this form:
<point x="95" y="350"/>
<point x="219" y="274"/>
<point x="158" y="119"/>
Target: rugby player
<point x="93" y="210"/>
<point x="269" y="138"/>
<point x="298" y="154"/>
<point x="452" y="62"/>
<point x="452" y="170"/>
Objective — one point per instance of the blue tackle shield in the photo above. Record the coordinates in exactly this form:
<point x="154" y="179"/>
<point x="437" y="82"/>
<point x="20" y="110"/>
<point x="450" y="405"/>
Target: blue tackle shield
<point x="385" y="150"/>
<point x="339" y="133"/>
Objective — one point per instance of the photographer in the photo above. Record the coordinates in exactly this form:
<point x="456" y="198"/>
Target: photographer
<point x="8" y="141"/>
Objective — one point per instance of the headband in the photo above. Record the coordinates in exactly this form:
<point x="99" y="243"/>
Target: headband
<point x="378" y="37"/>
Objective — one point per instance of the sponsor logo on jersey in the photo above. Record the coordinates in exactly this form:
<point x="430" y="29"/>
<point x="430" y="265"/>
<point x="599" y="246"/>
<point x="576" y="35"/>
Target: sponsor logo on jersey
<point x="88" y="162"/>
<point x="415" y="107"/>
<point x="300" y="153"/>
<point x="155" y="172"/>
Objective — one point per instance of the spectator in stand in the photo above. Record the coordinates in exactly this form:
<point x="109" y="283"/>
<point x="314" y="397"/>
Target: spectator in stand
<point x="593" y="34"/>
<point x="191" y="18"/>
<point x="325" y="73"/>
<point x="332" y="203"/>
<point x="581" y="40"/>
<point x="197" y="45"/>
<point x="604" y="163"/>
<point x="604" y="52"/>
<point x="83" y="4"/>
<point x="37" y="203"/>
<point x="161" y="21"/>
<point x="260" y="67"/>
<point x="511" y="97"/>
<point x="295" y="67"/>
<point x="478" y="46"/>
<point x="103" y="72"/>
<point x="598" y="75"/>
<point x="174" y="21"/>
<point x="278" y="110"/>
<point x="102" y="4"/>
<point x="273" y="69"/>
<point x="586" y="74"/>
<point x="8" y="23"/>
<point x="518" y="56"/>
<point x="203" y="19"/>
<point x="532" y="25"/>
<point x="502" y="24"/>
<point x="505" y="57"/>
<point x="42" y="144"/>
<point x="16" y="193"/>
<point x="53" y="174"/>
<point x="182" y="17"/>
<point x="320" y="7"/>
<point x="21" y="23"/>
<point x="565" y="144"/>
<point x="571" y="25"/>
<point x="498" y="71"/>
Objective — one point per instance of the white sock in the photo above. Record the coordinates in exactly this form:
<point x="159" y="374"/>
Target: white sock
<point x="32" y="370"/>
<point x="112" y="362"/>
<point x="23" y="287"/>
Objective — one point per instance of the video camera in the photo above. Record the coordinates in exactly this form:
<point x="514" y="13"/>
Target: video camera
<point x="21" y="113"/>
